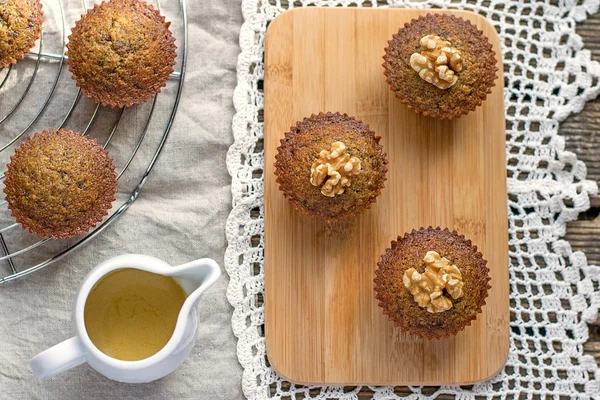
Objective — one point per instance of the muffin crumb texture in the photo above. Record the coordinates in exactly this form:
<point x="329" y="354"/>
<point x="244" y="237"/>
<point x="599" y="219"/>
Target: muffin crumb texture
<point x="440" y="66"/>
<point x="59" y="184"/>
<point x="121" y="52"/>
<point x="20" y="26"/>
<point x="409" y="283"/>
<point x="330" y="166"/>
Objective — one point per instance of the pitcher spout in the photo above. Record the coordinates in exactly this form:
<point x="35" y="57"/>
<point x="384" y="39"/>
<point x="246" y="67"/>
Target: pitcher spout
<point x="197" y="276"/>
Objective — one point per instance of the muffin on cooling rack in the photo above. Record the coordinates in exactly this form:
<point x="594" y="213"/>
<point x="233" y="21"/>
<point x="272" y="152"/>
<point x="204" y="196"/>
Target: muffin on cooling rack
<point x="331" y="166"/>
<point x="59" y="184"/>
<point x="20" y="26"/>
<point x="440" y="65"/>
<point x="121" y="52"/>
<point x="432" y="283"/>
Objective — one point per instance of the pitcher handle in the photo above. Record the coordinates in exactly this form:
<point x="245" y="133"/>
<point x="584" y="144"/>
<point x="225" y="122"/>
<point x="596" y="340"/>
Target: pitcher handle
<point x="59" y="358"/>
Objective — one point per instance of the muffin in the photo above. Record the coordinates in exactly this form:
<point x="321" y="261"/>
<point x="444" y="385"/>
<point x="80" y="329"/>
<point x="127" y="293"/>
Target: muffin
<point x="330" y="166"/>
<point x="20" y="27"/>
<point x="59" y="184"/>
<point x="121" y="53"/>
<point x="440" y="65"/>
<point x="432" y="283"/>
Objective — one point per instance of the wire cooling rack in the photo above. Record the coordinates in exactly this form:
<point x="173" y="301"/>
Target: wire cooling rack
<point x="38" y="93"/>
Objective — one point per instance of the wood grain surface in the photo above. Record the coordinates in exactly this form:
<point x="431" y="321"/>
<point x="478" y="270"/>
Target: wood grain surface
<point x="323" y="324"/>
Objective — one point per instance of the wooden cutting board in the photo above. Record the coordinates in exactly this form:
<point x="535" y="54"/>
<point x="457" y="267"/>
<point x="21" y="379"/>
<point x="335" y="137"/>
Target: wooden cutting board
<point x="323" y="324"/>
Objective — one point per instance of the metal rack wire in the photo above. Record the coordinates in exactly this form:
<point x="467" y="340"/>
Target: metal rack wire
<point x="29" y="79"/>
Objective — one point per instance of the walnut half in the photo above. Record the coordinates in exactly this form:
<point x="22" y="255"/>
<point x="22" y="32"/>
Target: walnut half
<point x="335" y="168"/>
<point x="438" y="62"/>
<point x="428" y="288"/>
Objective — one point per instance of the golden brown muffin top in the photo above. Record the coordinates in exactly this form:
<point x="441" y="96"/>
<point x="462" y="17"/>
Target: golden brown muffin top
<point x="121" y="52"/>
<point x="301" y="147"/>
<point x="60" y="184"/>
<point x="20" y="27"/>
<point x="408" y="252"/>
<point x="475" y="80"/>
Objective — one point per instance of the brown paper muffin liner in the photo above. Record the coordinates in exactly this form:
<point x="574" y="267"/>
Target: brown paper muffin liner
<point x="121" y="53"/>
<point x="475" y="81"/>
<point x="408" y="252"/>
<point x="18" y="38"/>
<point x="301" y="146"/>
<point x="60" y="184"/>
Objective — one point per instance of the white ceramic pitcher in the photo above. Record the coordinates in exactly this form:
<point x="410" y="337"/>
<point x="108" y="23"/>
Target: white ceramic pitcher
<point x="194" y="277"/>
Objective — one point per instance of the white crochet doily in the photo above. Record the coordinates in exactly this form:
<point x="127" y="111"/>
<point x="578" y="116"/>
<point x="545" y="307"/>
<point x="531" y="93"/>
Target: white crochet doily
<point x="547" y="76"/>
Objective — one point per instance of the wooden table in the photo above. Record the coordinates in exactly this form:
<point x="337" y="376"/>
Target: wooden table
<point x="582" y="134"/>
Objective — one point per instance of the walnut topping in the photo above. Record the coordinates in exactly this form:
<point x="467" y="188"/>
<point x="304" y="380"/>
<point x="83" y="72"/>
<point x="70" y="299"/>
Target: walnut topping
<point x="337" y="167"/>
<point x="428" y="288"/>
<point x="438" y="62"/>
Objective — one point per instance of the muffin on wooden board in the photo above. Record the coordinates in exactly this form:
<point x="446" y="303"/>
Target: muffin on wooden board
<point x="59" y="184"/>
<point x="121" y="52"/>
<point x="432" y="283"/>
<point x="331" y="166"/>
<point x="20" y="26"/>
<point x="440" y="65"/>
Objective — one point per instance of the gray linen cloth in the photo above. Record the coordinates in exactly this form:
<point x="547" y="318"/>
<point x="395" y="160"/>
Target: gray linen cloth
<point x="180" y="216"/>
